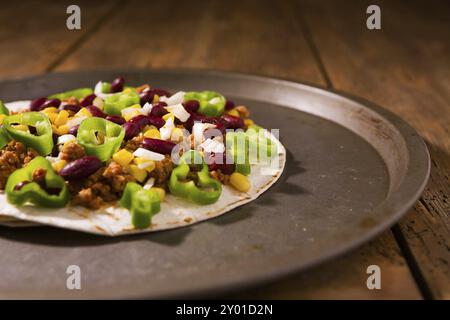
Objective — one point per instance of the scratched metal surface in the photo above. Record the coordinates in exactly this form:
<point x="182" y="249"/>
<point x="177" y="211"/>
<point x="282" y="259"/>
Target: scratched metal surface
<point x="353" y="169"/>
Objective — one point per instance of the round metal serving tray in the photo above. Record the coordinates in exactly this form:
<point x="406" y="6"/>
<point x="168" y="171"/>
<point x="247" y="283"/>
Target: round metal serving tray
<point x="353" y="169"/>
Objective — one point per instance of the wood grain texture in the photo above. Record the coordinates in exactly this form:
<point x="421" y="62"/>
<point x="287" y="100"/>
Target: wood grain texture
<point x="406" y="68"/>
<point x="33" y="34"/>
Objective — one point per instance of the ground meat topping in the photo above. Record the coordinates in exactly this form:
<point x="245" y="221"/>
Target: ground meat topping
<point x="72" y="151"/>
<point x="218" y="175"/>
<point x="105" y="185"/>
<point x="12" y="157"/>
<point x="162" y="171"/>
<point x="38" y="176"/>
<point x="133" y="144"/>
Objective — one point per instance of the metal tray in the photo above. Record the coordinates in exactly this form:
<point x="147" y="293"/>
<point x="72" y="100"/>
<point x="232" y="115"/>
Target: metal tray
<point x="353" y="169"/>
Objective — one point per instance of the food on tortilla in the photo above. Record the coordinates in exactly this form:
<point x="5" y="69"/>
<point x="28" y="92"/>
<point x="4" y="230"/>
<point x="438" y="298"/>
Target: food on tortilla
<point x="116" y="159"/>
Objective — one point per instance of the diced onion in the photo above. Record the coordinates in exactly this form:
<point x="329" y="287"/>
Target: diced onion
<point x="75" y="121"/>
<point x="18" y="106"/>
<point x="65" y="138"/>
<point x="198" y="129"/>
<point x="210" y="145"/>
<point x="166" y="130"/>
<point x="147" y="108"/>
<point x="174" y="99"/>
<point x="179" y="112"/>
<point x="150" y="182"/>
<point x="148" y="155"/>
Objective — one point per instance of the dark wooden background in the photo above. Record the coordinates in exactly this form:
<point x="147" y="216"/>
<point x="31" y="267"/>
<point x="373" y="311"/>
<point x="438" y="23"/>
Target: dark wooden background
<point x="405" y="67"/>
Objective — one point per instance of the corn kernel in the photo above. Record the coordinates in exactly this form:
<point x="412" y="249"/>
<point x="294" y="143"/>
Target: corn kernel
<point x="52" y="116"/>
<point x="248" y="122"/>
<point x="57" y="166"/>
<point x="167" y="116"/>
<point x="145" y="164"/>
<point x="233" y="112"/>
<point x="139" y="174"/>
<point x="177" y="135"/>
<point x="239" y="182"/>
<point x="123" y="157"/>
<point x="62" y="118"/>
<point x="152" y="133"/>
<point x="60" y="130"/>
<point x="20" y="127"/>
<point x="83" y="113"/>
<point x="160" y="191"/>
<point x="2" y="117"/>
<point x="50" y="110"/>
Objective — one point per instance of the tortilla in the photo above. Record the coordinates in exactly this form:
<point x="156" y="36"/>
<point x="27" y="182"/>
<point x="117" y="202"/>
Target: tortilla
<point x="175" y="212"/>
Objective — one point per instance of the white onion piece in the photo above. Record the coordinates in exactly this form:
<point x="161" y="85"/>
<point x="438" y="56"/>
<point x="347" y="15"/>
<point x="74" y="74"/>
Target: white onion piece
<point x="198" y="129"/>
<point x="18" y="106"/>
<point x="147" y="108"/>
<point x="129" y="111"/>
<point x="210" y="145"/>
<point x="150" y="182"/>
<point x="75" y="121"/>
<point x="174" y="99"/>
<point x="166" y="130"/>
<point x="65" y="138"/>
<point x="179" y="112"/>
<point x="148" y="155"/>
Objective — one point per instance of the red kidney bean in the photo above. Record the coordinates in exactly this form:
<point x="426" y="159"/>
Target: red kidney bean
<point x="36" y="104"/>
<point x="146" y="96"/>
<point x="141" y="120"/>
<point x="220" y="161"/>
<point x="158" y="109"/>
<point x="51" y="103"/>
<point x="81" y="168"/>
<point x="116" y="119"/>
<point x="232" y="122"/>
<point x="229" y="105"/>
<point x="117" y="84"/>
<point x="72" y="107"/>
<point x="96" y="112"/>
<point x="132" y="129"/>
<point x="159" y="146"/>
<point x="74" y="130"/>
<point x="160" y="92"/>
<point x="156" y="121"/>
<point x="191" y="106"/>
<point x="88" y="100"/>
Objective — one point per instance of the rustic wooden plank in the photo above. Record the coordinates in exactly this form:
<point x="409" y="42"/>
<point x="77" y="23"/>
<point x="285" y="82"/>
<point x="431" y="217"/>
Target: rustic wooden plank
<point x="33" y="34"/>
<point x="406" y="68"/>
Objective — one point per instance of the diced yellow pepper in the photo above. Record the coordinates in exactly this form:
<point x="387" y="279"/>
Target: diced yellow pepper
<point x="83" y="113"/>
<point x="57" y="166"/>
<point x="239" y="182"/>
<point x="167" y="116"/>
<point x="161" y="192"/>
<point x="150" y="163"/>
<point x="152" y="133"/>
<point x="155" y="98"/>
<point x="2" y="117"/>
<point x="233" y="112"/>
<point x="52" y="116"/>
<point x="139" y="174"/>
<point x="62" y="118"/>
<point x="123" y="157"/>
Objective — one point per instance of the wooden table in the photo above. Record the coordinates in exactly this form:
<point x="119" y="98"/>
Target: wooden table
<point x="405" y="67"/>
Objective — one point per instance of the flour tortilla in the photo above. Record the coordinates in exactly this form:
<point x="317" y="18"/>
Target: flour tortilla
<point x="175" y="212"/>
